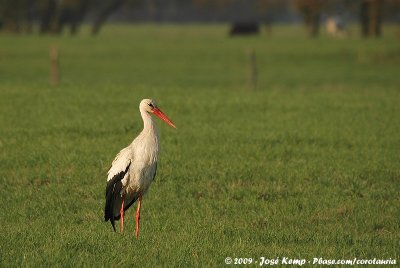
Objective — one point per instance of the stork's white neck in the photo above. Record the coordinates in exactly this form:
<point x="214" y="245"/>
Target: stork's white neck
<point x="148" y="123"/>
<point x="148" y="138"/>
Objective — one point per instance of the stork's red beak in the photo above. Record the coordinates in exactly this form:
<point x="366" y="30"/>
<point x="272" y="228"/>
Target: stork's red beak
<point x="162" y="116"/>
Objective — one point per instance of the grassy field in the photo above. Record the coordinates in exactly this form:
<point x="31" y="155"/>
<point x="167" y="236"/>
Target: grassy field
<point x="307" y="165"/>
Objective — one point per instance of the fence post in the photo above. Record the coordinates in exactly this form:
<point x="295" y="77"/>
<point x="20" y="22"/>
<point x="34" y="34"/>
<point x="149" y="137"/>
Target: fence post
<point x="252" y="76"/>
<point x="54" y="66"/>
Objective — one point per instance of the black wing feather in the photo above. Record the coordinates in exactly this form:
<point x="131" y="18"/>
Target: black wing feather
<point x="113" y="191"/>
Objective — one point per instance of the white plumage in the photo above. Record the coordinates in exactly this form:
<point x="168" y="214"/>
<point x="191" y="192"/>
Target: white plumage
<point x="134" y="167"/>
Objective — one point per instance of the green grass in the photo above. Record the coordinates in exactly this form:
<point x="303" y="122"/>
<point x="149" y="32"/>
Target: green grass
<point x="308" y="165"/>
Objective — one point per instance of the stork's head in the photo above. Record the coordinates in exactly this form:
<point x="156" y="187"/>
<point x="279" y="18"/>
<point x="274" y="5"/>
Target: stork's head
<point x="150" y="106"/>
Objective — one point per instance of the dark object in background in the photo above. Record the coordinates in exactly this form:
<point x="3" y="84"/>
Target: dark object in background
<point x="244" y="28"/>
<point x="56" y="14"/>
<point x="371" y="18"/>
<point x="105" y="12"/>
<point x="310" y="10"/>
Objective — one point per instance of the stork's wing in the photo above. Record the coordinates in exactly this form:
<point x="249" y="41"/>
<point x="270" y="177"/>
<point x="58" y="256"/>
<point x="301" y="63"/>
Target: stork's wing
<point x="121" y="161"/>
<point x="118" y="171"/>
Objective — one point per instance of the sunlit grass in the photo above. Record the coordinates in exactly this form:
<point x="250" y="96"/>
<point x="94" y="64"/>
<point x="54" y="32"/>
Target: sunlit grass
<point x="305" y="166"/>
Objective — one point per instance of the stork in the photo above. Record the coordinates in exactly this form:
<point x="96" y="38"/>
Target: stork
<point x="134" y="168"/>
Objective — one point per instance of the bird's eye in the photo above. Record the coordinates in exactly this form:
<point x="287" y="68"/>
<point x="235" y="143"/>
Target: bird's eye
<point x="151" y="105"/>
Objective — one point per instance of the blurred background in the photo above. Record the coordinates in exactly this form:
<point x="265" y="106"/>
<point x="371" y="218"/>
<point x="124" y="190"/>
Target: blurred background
<point x="56" y="16"/>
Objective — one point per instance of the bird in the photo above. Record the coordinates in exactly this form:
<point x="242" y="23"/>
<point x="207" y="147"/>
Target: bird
<point x="134" y="168"/>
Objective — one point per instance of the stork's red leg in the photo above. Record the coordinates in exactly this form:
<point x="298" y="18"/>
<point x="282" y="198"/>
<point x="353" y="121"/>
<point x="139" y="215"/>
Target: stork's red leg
<point x="122" y="212"/>
<point x="138" y="214"/>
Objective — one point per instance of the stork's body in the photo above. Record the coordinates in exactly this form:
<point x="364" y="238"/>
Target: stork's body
<point x="134" y="168"/>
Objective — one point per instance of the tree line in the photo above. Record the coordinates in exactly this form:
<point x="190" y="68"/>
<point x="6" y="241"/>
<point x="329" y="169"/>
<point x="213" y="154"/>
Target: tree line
<point x="52" y="16"/>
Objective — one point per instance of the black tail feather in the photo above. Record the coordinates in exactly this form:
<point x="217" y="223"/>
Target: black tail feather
<point x="113" y="196"/>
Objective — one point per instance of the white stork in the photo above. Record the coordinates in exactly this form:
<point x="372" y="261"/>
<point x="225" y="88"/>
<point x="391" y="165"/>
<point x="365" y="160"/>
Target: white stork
<point x="134" y="168"/>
